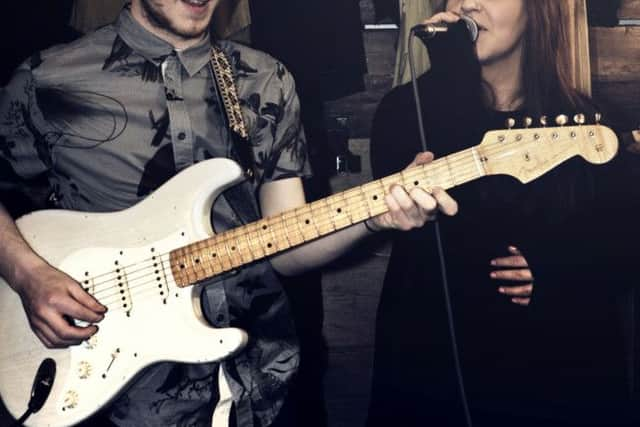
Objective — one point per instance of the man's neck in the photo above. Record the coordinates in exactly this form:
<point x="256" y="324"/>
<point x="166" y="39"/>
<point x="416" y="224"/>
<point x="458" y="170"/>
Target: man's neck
<point x="179" y="43"/>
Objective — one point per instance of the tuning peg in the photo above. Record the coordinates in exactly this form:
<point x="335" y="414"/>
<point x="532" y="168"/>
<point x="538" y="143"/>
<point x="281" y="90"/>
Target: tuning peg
<point x="543" y="121"/>
<point x="510" y="123"/>
<point x="562" y="120"/>
<point x="598" y="117"/>
<point x="528" y="121"/>
<point x="579" y="119"/>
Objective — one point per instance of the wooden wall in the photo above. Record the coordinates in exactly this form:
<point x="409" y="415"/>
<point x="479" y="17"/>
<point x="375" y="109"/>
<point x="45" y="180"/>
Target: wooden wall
<point x="351" y="292"/>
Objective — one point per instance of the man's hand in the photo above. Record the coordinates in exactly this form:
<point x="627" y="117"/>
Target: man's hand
<point x="514" y="268"/>
<point x="51" y="299"/>
<point x="412" y="209"/>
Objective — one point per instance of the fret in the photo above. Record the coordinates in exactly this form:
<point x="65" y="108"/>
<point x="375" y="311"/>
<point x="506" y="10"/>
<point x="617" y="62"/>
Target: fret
<point x="267" y="238"/>
<point x="278" y="229"/>
<point x="374" y="197"/>
<point x="232" y="251"/>
<point x="322" y="217"/>
<point x="221" y="254"/>
<point x="358" y="199"/>
<point x="292" y="223"/>
<point x="338" y="211"/>
<point x="242" y="245"/>
<point x="254" y="241"/>
<point x="284" y="229"/>
<point x="307" y="225"/>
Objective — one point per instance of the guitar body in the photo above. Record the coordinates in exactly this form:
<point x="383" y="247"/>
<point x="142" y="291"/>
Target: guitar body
<point x="150" y="319"/>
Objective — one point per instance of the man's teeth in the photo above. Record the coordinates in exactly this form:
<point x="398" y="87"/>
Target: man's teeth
<point x="196" y="2"/>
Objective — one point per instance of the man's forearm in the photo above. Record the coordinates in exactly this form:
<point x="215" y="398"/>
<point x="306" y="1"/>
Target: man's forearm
<point x="319" y="252"/>
<point x="16" y="256"/>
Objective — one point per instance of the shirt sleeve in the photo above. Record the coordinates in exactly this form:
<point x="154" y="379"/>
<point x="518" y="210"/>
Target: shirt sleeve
<point x="26" y="138"/>
<point x="288" y="155"/>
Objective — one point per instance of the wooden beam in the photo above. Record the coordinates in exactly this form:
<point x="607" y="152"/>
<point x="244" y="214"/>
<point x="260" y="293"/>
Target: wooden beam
<point x="614" y="53"/>
<point x="629" y="9"/>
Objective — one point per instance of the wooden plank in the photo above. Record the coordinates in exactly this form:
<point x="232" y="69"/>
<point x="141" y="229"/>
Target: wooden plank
<point x="614" y="53"/>
<point x="629" y="9"/>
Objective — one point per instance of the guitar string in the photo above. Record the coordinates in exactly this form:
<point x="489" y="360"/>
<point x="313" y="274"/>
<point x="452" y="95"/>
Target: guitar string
<point x="152" y="277"/>
<point x="403" y="175"/>
<point x="449" y="162"/>
<point x="278" y="230"/>
<point x="351" y="214"/>
<point x="275" y="230"/>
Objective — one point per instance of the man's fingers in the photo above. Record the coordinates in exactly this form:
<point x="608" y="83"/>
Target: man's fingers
<point x="509" y="261"/>
<point x="519" y="275"/>
<point x="70" y="333"/>
<point x="422" y="159"/>
<point x="87" y="301"/>
<point x="47" y="343"/>
<point x="521" y="301"/>
<point x="446" y="203"/>
<point x="53" y="340"/>
<point x="75" y="310"/>
<point x="514" y="250"/>
<point x="517" y="291"/>
<point x="397" y="214"/>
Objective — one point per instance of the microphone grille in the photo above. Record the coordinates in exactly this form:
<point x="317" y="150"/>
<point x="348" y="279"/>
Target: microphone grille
<point x="472" y="26"/>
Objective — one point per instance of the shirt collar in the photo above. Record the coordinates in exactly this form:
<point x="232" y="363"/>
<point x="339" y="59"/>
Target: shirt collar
<point x="154" y="49"/>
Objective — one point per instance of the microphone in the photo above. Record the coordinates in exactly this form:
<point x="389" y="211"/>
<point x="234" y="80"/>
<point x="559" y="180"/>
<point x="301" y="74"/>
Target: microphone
<point x="429" y="31"/>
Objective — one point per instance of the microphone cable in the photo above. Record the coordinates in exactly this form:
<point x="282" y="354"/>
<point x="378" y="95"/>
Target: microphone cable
<point x="441" y="256"/>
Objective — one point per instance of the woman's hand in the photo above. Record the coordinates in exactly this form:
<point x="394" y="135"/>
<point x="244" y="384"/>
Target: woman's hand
<point x="514" y="268"/>
<point x="442" y="17"/>
<point x="412" y="209"/>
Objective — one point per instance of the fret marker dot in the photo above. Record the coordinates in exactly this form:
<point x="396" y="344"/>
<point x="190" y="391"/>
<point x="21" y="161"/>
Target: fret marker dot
<point x="416" y="183"/>
<point x="375" y="197"/>
<point x="307" y="222"/>
<point x="269" y="245"/>
<point x="339" y="210"/>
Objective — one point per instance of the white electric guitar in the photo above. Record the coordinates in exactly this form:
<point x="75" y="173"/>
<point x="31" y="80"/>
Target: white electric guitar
<point x="142" y="262"/>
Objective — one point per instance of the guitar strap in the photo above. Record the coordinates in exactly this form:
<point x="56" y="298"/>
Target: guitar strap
<point x="227" y="92"/>
<point x="241" y="197"/>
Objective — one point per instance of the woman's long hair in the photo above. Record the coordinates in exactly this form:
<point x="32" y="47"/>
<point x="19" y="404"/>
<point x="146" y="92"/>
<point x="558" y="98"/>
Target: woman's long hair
<point x="547" y="66"/>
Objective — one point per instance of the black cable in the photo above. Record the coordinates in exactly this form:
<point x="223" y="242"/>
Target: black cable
<point x="443" y="267"/>
<point x="22" y="419"/>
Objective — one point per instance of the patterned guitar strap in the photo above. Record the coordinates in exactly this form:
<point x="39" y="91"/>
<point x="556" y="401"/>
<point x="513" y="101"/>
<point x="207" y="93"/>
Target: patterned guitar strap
<point x="228" y="95"/>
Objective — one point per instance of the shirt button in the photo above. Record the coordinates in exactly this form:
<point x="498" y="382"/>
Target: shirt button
<point x="182" y="136"/>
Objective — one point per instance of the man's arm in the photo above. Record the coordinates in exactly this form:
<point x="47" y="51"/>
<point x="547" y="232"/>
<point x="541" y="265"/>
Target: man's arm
<point x="406" y="211"/>
<point x="49" y="296"/>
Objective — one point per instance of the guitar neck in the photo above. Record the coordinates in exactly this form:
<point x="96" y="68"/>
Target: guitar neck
<point x="230" y="250"/>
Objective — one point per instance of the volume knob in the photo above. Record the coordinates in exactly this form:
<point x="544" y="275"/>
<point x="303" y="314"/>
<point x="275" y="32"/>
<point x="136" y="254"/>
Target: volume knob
<point x="84" y="370"/>
<point x="70" y="399"/>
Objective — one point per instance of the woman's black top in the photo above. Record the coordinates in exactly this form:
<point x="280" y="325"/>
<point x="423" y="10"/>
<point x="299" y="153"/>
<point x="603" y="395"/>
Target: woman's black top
<point x="560" y="359"/>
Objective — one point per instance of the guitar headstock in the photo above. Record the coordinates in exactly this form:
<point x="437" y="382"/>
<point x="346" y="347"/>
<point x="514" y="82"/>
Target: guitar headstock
<point x="528" y="153"/>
